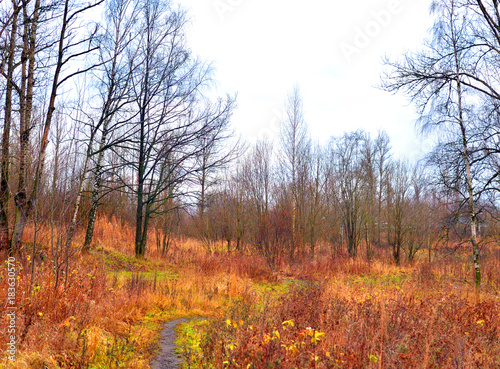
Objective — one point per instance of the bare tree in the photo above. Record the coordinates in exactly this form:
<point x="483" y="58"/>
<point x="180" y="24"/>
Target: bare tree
<point x="172" y="117"/>
<point x="422" y="218"/>
<point x="313" y="202"/>
<point x="369" y="168"/>
<point x="8" y="61"/>
<point x="439" y="80"/>
<point x="347" y="153"/>
<point x="217" y="152"/>
<point x="69" y="49"/>
<point x="258" y="182"/>
<point x="294" y="139"/>
<point x="113" y="83"/>
<point x="383" y="161"/>
<point x="398" y="208"/>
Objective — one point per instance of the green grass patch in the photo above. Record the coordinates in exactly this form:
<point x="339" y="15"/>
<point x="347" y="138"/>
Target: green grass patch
<point x="272" y="290"/>
<point x="382" y="280"/>
<point x="190" y="335"/>
<point x="114" y="352"/>
<point x="118" y="262"/>
<point x="149" y="276"/>
<point x="297" y="283"/>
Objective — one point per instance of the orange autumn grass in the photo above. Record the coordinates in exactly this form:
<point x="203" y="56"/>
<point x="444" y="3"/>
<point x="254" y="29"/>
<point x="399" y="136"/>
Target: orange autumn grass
<point x="107" y="309"/>
<point x="355" y="314"/>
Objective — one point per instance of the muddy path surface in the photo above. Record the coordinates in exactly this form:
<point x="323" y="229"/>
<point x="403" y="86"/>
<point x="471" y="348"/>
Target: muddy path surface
<point x="168" y="358"/>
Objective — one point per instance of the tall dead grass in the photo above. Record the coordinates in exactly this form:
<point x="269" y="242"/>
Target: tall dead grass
<point x="108" y="308"/>
<point x="359" y="325"/>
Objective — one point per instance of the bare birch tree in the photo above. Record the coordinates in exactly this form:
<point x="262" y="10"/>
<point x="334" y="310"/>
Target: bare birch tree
<point x="439" y="80"/>
<point x="294" y="138"/>
<point x="68" y="49"/>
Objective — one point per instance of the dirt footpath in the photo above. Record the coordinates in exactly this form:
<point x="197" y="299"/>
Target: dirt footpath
<point x="168" y="359"/>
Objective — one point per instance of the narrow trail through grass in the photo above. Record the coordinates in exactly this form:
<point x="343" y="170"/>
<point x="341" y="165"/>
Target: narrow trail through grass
<point x="168" y="358"/>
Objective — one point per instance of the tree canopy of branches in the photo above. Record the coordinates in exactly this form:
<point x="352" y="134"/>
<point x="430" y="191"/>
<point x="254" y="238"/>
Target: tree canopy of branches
<point x="452" y="84"/>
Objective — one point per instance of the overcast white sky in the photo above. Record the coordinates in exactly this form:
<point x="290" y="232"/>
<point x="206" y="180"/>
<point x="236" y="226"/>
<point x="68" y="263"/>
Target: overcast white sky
<point x="331" y="49"/>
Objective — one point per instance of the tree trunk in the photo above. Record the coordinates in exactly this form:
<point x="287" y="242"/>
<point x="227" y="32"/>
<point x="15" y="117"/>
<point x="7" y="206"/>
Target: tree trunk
<point x="139" y="214"/>
<point x="470" y="188"/>
<point x="89" y="234"/>
<point x="24" y="207"/>
<point x="76" y="209"/>
<point x="139" y="219"/>
<point x="4" y="163"/>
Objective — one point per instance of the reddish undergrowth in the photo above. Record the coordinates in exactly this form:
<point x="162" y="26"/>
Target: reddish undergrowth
<point x="106" y="309"/>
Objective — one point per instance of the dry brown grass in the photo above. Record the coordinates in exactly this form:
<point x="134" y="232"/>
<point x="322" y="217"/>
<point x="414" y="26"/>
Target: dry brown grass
<point x="329" y="327"/>
<point x="107" y="311"/>
<point x="356" y="314"/>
